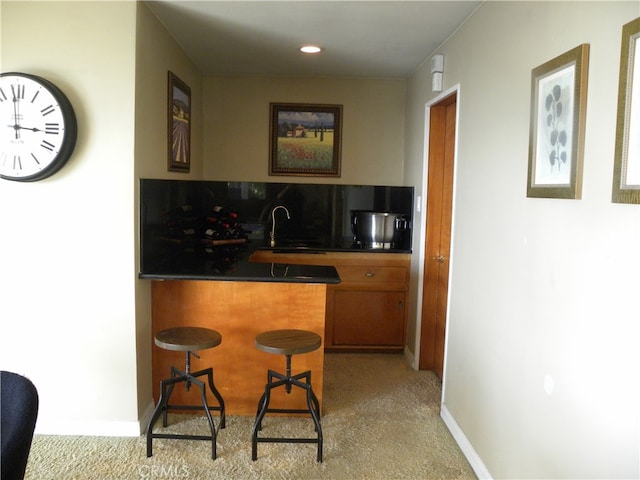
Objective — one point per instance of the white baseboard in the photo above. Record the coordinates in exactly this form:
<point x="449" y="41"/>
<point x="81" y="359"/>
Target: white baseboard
<point x="99" y="428"/>
<point x="89" y="428"/>
<point x="469" y="452"/>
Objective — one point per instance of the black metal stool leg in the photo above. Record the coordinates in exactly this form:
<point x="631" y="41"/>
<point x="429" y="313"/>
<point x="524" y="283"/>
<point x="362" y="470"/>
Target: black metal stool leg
<point x="307" y="377"/>
<point x="313" y="408"/>
<point x="166" y="389"/>
<point x="161" y="408"/>
<point x="311" y="400"/>
<point x="259" y="409"/>
<point x="218" y="396"/>
<point x="205" y="405"/>
<point x="175" y="373"/>
<point x="220" y="408"/>
<point x="154" y="417"/>
<point x="258" y="423"/>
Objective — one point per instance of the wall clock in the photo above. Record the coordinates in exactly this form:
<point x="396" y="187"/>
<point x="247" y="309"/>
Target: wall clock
<point x="38" y="128"/>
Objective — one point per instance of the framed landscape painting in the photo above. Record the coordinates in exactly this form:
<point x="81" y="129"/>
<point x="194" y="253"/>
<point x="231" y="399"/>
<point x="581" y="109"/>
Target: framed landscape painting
<point x="556" y="136"/>
<point x="305" y="139"/>
<point x="179" y="125"/>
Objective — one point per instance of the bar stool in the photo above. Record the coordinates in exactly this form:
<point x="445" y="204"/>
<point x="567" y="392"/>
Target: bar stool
<point x="288" y="343"/>
<point x="188" y="340"/>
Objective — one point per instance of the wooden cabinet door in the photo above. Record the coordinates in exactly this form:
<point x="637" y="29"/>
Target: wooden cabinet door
<point x="366" y="317"/>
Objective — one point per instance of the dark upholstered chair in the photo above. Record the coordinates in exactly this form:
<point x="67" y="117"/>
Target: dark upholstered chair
<point x="18" y="413"/>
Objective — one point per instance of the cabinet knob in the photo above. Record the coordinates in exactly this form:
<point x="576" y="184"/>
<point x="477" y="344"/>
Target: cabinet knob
<point x="369" y="274"/>
<point x="439" y="259"/>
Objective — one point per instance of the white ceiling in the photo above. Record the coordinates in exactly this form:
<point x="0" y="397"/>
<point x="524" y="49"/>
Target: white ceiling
<point x="360" y="38"/>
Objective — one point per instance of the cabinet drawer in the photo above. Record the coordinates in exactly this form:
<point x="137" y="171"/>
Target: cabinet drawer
<point x="372" y="274"/>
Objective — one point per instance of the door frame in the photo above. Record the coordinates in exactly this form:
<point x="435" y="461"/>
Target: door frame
<point x="422" y="206"/>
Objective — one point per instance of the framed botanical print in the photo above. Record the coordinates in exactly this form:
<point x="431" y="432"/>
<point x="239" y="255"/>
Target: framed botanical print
<point x="626" y="171"/>
<point x="556" y="136"/>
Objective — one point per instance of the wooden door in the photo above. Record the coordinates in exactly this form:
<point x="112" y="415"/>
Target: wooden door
<point x="442" y="129"/>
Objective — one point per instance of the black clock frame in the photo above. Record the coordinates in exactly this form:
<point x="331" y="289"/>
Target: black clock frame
<point x="70" y="130"/>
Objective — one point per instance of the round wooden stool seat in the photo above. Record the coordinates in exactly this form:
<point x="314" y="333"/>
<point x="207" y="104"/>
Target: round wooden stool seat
<point x="188" y="339"/>
<point x="288" y="342"/>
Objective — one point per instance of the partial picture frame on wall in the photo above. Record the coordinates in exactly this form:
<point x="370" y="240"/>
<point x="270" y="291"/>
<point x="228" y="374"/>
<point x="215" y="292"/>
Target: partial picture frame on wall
<point x="556" y="135"/>
<point x="626" y="170"/>
<point x="179" y="125"/>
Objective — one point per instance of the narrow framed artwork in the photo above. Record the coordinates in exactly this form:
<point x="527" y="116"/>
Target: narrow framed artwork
<point x="626" y="169"/>
<point x="179" y="125"/>
<point x="305" y="139"/>
<point x="556" y="135"/>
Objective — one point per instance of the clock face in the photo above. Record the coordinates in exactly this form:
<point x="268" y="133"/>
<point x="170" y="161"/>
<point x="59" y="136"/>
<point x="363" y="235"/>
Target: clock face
<point x="37" y="127"/>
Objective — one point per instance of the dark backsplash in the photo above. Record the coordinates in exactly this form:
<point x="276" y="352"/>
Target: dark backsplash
<point x="320" y="214"/>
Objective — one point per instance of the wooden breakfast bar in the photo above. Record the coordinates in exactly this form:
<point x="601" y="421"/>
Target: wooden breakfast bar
<point x="240" y="301"/>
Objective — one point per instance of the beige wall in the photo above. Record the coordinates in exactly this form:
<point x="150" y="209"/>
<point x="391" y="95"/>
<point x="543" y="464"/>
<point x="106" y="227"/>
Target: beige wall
<point x="236" y="126"/>
<point x="68" y="257"/>
<point x="541" y="376"/>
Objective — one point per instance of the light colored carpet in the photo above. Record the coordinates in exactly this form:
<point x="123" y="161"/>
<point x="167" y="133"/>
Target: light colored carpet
<point x="380" y="421"/>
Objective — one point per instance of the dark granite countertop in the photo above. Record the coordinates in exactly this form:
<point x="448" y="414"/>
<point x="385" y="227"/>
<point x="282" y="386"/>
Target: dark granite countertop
<point x="235" y="268"/>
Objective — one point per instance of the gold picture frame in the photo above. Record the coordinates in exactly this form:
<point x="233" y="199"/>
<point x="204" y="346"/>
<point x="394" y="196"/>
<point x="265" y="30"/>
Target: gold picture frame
<point x="179" y="125"/>
<point x="556" y="135"/>
<point x="305" y="139"/>
<point x="626" y="170"/>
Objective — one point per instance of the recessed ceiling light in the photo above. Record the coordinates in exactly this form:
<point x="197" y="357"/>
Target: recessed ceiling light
<point x="310" y="49"/>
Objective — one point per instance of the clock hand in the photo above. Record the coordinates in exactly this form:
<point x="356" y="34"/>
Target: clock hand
<point x="18" y="127"/>
<point x="16" y="112"/>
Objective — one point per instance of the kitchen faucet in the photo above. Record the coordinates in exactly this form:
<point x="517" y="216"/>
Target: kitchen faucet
<point x="273" y="223"/>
